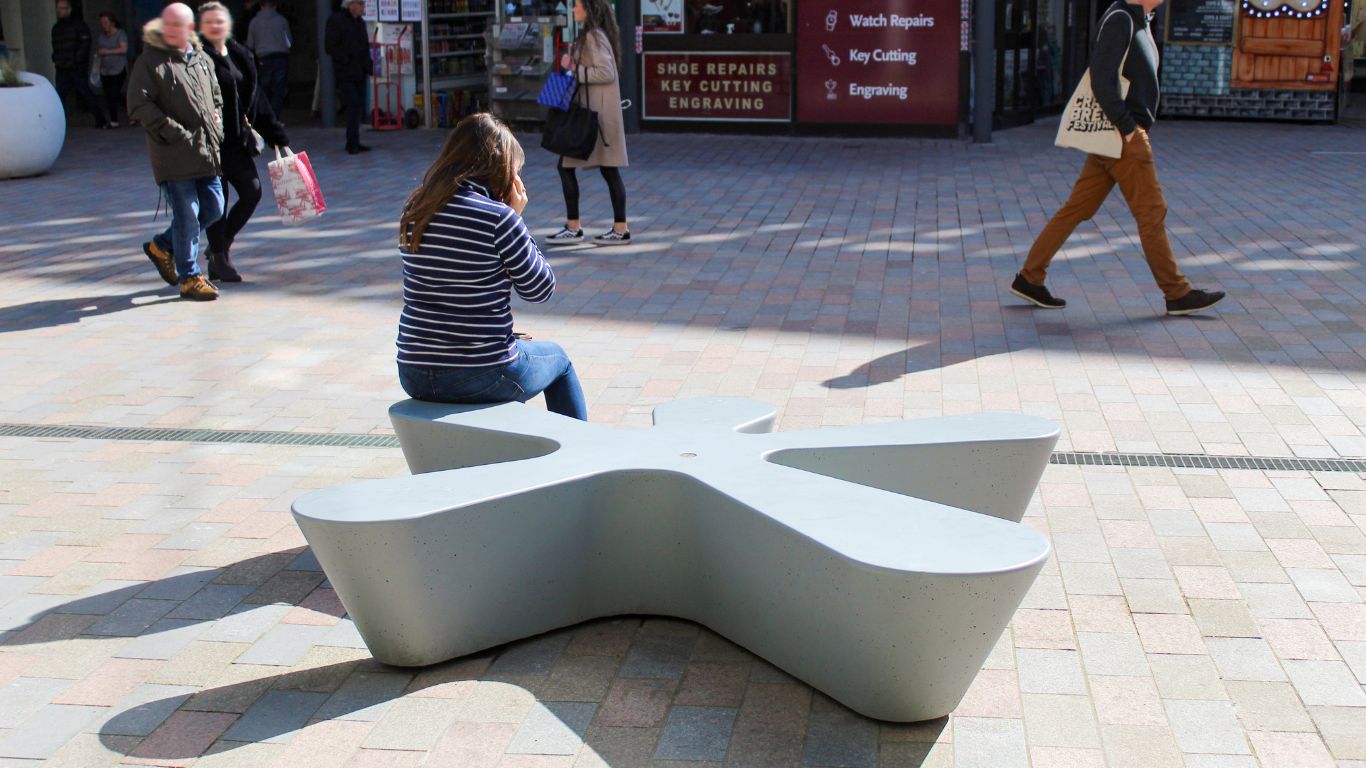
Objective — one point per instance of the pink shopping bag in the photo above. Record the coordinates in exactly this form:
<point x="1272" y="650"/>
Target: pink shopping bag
<point x="296" y="189"/>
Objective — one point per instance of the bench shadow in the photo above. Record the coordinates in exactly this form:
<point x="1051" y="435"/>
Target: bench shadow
<point x="561" y="708"/>
<point x="54" y="312"/>
<point x="287" y="704"/>
<point x="203" y="596"/>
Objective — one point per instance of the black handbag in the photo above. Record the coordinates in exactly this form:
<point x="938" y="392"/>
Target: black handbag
<point x="572" y="132"/>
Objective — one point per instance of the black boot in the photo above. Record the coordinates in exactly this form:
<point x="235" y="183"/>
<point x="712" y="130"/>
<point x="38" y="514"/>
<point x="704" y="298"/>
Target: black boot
<point x="221" y="269"/>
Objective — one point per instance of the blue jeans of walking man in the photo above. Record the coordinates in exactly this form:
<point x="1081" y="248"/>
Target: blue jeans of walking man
<point x="541" y="366"/>
<point x="195" y="204"/>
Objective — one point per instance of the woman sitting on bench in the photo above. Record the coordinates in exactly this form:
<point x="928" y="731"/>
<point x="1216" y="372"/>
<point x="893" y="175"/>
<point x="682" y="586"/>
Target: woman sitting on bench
<point x="465" y="249"/>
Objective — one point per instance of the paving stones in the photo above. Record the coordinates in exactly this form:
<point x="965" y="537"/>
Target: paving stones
<point x="158" y="607"/>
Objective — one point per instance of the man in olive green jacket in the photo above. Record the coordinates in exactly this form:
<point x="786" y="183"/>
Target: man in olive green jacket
<point x="173" y="93"/>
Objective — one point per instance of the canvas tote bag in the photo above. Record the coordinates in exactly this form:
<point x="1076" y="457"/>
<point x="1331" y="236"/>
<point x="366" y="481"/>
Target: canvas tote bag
<point x="1084" y="125"/>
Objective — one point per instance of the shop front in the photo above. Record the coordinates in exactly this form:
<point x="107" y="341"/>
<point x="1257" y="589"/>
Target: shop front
<point x="1260" y="59"/>
<point x="805" y="65"/>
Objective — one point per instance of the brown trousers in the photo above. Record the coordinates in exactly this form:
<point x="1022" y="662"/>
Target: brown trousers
<point x="1136" y="175"/>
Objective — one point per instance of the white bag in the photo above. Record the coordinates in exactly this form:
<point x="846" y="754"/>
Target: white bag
<point x="297" y="194"/>
<point x="1084" y="125"/>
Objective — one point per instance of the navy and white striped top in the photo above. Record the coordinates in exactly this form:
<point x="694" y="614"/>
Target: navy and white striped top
<point x="457" y="287"/>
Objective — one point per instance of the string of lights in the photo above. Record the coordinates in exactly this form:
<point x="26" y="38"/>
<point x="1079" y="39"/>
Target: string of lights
<point x="1289" y="9"/>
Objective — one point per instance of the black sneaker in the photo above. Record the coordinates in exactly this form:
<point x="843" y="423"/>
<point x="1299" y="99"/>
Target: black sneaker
<point x="613" y="238"/>
<point x="1035" y="294"/>
<point x="1195" y="301"/>
<point x="566" y="236"/>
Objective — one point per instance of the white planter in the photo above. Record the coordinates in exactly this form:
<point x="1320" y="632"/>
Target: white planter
<point x="32" y="127"/>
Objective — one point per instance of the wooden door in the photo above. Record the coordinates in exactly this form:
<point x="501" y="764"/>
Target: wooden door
<point x="1288" y="52"/>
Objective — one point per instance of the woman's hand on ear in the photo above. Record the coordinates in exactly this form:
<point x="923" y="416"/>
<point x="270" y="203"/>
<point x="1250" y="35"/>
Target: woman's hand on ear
<point x="517" y="198"/>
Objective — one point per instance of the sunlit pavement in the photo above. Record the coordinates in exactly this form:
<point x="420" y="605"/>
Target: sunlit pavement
<point x="160" y="607"/>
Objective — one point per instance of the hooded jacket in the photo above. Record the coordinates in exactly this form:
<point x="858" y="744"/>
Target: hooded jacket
<point x="242" y="102"/>
<point x="1125" y="27"/>
<point x="175" y="96"/>
<point x="70" y="43"/>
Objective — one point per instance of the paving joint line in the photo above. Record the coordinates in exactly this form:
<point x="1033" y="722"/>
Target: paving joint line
<point x="360" y="440"/>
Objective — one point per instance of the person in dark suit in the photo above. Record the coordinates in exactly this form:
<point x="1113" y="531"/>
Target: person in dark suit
<point x="348" y="45"/>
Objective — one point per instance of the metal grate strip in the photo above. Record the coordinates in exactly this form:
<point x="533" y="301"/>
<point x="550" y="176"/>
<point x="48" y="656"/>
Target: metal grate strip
<point x="357" y="440"/>
<point x="177" y="435"/>
<point x="1204" y="461"/>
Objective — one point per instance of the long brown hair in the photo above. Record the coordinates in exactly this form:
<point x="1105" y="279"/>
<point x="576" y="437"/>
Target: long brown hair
<point x="601" y="15"/>
<point x="480" y="148"/>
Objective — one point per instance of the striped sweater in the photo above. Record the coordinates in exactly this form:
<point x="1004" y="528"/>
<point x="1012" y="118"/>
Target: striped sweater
<point x="457" y="286"/>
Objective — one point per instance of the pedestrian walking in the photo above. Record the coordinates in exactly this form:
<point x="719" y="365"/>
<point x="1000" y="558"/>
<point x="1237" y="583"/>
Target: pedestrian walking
<point x="173" y="93"/>
<point x="245" y="116"/>
<point x="594" y="58"/>
<point x="349" y="47"/>
<point x="268" y="38"/>
<point x="1124" y="48"/>
<point x="71" y="46"/>
<point x="465" y="249"/>
<point x="112" y="48"/>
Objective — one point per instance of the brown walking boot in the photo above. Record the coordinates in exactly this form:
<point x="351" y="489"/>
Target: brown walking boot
<point x="197" y="289"/>
<point x="162" y="260"/>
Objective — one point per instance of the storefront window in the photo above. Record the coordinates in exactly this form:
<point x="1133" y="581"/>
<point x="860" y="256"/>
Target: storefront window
<point x="716" y="17"/>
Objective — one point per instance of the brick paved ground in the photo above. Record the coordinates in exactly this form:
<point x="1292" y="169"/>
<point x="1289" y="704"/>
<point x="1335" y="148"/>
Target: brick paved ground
<point x="160" y="608"/>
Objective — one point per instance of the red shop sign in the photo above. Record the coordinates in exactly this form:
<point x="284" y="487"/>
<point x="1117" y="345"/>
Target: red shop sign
<point x="878" y="61"/>
<point x="749" y="87"/>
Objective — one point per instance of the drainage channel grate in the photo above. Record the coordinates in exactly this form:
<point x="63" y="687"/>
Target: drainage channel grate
<point x="170" y="435"/>
<point x="353" y="440"/>
<point x="1205" y="461"/>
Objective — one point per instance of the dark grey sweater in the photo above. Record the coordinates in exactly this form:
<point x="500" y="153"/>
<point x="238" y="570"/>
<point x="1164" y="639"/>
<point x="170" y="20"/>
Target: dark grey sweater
<point x="1126" y="29"/>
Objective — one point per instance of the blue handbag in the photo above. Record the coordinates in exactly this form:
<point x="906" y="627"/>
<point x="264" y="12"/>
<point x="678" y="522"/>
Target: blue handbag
<point x="558" y="91"/>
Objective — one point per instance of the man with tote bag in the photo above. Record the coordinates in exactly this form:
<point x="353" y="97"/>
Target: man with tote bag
<point x="1108" y="118"/>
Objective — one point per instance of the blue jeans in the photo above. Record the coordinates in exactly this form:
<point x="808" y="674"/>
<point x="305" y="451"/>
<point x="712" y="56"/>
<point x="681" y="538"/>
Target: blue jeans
<point x="195" y="204"/>
<point x="541" y="366"/>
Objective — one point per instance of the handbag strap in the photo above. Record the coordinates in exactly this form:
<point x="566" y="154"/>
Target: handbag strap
<point x="583" y="80"/>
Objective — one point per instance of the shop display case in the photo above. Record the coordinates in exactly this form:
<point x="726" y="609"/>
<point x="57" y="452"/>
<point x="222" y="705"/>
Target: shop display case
<point x="524" y="43"/>
<point x="452" y="74"/>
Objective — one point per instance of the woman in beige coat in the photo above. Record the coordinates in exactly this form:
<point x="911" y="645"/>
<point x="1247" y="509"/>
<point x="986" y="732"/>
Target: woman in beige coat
<point x="593" y="59"/>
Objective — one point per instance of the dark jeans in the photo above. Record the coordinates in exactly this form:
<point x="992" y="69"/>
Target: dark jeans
<point x="353" y="96"/>
<point x="616" y="188"/>
<point x="112" y="87"/>
<point x="78" y="81"/>
<point x="195" y="204"/>
<point x="541" y="366"/>
<point x="239" y="172"/>
<point x="273" y="75"/>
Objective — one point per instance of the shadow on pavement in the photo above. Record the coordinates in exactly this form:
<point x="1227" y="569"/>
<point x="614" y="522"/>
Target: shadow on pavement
<point x="54" y="312"/>
<point x="511" y="684"/>
<point x="201" y="596"/>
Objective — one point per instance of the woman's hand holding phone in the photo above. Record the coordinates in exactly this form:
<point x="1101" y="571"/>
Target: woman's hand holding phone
<point x="517" y="197"/>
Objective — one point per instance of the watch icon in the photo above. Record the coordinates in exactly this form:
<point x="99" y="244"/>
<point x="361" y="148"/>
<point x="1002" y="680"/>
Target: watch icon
<point x="832" y="19"/>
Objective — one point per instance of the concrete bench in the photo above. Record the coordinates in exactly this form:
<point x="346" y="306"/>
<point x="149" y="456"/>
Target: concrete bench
<point x="878" y="563"/>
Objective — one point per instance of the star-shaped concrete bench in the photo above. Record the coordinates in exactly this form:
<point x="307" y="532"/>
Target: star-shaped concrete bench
<point x="878" y="563"/>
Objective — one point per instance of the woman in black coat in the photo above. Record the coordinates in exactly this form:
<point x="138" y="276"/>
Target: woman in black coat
<point x="243" y="111"/>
